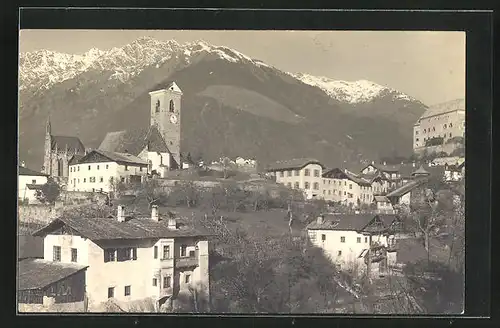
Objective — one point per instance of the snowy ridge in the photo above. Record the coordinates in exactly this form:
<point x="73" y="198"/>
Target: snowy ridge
<point x="42" y="69"/>
<point x="351" y="92"/>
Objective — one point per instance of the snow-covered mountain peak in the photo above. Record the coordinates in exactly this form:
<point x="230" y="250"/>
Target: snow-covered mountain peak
<point x="353" y="92"/>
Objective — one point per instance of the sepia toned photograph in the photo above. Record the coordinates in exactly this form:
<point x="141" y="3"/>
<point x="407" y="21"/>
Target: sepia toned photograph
<point x="241" y="172"/>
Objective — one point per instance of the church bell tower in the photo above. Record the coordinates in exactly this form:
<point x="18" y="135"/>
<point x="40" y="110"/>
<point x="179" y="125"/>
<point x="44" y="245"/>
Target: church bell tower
<point x="47" y="158"/>
<point x="166" y="115"/>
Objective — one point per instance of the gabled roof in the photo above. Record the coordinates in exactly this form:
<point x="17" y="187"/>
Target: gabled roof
<point x="291" y="164"/>
<point x="111" y="229"/>
<point x="338" y="173"/>
<point x="461" y="165"/>
<point x="420" y="171"/>
<point x="67" y="142"/>
<point x="37" y="273"/>
<point x="378" y="198"/>
<point x="383" y="168"/>
<point x="75" y="159"/>
<point x="352" y="222"/>
<point x="33" y="186"/>
<point x="134" y="141"/>
<point x="167" y="85"/>
<point x="406" y="188"/>
<point x="100" y="155"/>
<point x="26" y="171"/>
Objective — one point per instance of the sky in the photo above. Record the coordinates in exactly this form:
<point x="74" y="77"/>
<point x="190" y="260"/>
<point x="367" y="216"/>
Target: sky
<point x="427" y="65"/>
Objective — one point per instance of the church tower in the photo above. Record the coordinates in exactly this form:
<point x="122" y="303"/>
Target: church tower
<point x="166" y="115"/>
<point x="47" y="158"/>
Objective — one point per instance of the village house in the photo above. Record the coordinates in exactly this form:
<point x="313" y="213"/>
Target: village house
<point x="304" y="174"/>
<point x="99" y="170"/>
<point x="47" y="286"/>
<point x="390" y="172"/>
<point x="443" y="121"/>
<point x="347" y="239"/>
<point x="132" y="258"/>
<point x="29" y="182"/>
<point x="383" y="205"/>
<point x="454" y="173"/>
<point x="346" y="187"/>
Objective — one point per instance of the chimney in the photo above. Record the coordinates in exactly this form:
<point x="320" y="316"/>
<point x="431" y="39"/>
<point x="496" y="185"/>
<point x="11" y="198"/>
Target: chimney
<point x="154" y="213"/>
<point x="385" y="163"/>
<point x="373" y="162"/>
<point x="413" y="164"/>
<point x="120" y="216"/>
<point x="319" y="220"/>
<point x="172" y="223"/>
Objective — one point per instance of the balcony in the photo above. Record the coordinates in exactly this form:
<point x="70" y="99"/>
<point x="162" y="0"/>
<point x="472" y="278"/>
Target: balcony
<point x="184" y="262"/>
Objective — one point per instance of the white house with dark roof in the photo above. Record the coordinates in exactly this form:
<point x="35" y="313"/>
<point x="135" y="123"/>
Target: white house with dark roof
<point x="383" y="205"/>
<point x="346" y="187"/>
<point x="99" y="170"/>
<point x="28" y="182"/>
<point x="302" y="173"/>
<point x="346" y="239"/>
<point x="132" y="258"/>
<point x="58" y="151"/>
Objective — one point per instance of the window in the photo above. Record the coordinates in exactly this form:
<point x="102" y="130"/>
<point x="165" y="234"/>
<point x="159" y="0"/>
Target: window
<point x="126" y="167"/>
<point x="124" y="254"/>
<point x="84" y="179"/>
<point x="288" y="173"/>
<point x="166" y="251"/>
<point x="56" y="253"/>
<point x="339" y="253"/>
<point x="366" y="239"/>
<point x="92" y="179"/>
<point x="78" y="168"/>
<point x="316" y="173"/>
<point x="109" y="255"/>
<point x="187" y="278"/>
<point x="122" y="179"/>
<point x="344" y="193"/>
<point x="358" y="240"/>
<point x="157" y="106"/>
<point x="74" y="255"/>
<point x="342" y="239"/>
<point x="297" y="185"/>
<point x="417" y="139"/>
<point x="281" y="174"/>
<point x="111" y="292"/>
<point x="425" y="130"/>
<point x="323" y="237"/>
<point x="306" y="185"/>
<point x="101" y="179"/>
<point x="98" y="167"/>
<point x="155" y="252"/>
<point x="433" y="128"/>
<point x="316" y="186"/>
<point x="167" y="282"/>
<point x="89" y="167"/>
<point x="349" y="195"/>
<point x="107" y="166"/>
<point x="350" y="185"/>
<point x="296" y="173"/>
<point x="127" y="290"/>
<point x="416" y="133"/>
<point x="140" y="168"/>
<point x="306" y="172"/>
<point x="171" y="107"/>
<point x="345" y="183"/>
<point x="183" y="250"/>
<point x="111" y="180"/>
<point x="445" y="126"/>
<point x="155" y="282"/>
<point x="450" y="135"/>
<point x="451" y="125"/>
<point x="33" y="181"/>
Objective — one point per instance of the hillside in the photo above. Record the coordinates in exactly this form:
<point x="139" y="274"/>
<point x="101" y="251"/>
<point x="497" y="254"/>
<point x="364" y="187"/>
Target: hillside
<point x="232" y="105"/>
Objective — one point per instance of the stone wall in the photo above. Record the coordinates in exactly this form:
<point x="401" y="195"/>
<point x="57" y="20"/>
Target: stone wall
<point x="55" y="307"/>
<point x="37" y="213"/>
<point x="447" y="148"/>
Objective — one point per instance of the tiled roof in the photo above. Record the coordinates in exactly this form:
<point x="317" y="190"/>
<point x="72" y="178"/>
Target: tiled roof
<point x="406" y="188"/>
<point x="26" y="171"/>
<point x="29" y="247"/>
<point x="71" y="143"/>
<point x="110" y="228"/>
<point x="75" y="158"/>
<point x="134" y="141"/>
<point x="296" y="163"/>
<point x="350" y="222"/>
<point x="444" y="107"/>
<point x="343" y="174"/>
<point x="383" y="168"/>
<point x="380" y="199"/>
<point x="37" y="273"/>
<point x="33" y="186"/>
<point x="114" y="156"/>
<point x="420" y="171"/>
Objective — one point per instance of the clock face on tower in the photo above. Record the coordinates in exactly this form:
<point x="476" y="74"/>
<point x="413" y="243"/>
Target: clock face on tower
<point x="173" y="118"/>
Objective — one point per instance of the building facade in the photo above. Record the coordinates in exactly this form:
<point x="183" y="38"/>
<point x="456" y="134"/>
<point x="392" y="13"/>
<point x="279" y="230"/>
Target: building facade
<point x="132" y="259"/>
<point x="344" y="186"/>
<point x="302" y="174"/>
<point x="29" y="182"/>
<point x="58" y="152"/>
<point x="101" y="170"/>
<point x="346" y="239"/>
<point x="445" y="120"/>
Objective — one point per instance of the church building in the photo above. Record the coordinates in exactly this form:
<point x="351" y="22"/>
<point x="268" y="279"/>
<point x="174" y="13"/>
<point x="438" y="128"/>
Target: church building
<point x="160" y="143"/>
<point x="59" y="152"/>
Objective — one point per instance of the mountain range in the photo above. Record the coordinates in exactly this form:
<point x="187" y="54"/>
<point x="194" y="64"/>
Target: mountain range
<point x="232" y="105"/>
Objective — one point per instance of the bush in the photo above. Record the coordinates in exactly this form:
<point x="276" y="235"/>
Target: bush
<point x="436" y="141"/>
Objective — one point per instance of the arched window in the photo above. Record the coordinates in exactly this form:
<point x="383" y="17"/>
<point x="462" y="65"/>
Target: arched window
<point x="157" y="106"/>
<point x="171" y="107"/>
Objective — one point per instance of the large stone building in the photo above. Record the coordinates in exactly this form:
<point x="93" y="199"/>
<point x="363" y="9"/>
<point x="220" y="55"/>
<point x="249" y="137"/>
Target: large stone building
<point x="59" y="151"/>
<point x="438" y="125"/>
<point x="160" y="143"/>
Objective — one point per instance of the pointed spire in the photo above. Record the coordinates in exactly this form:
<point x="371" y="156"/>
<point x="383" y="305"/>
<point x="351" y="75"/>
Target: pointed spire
<point x="48" y="127"/>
